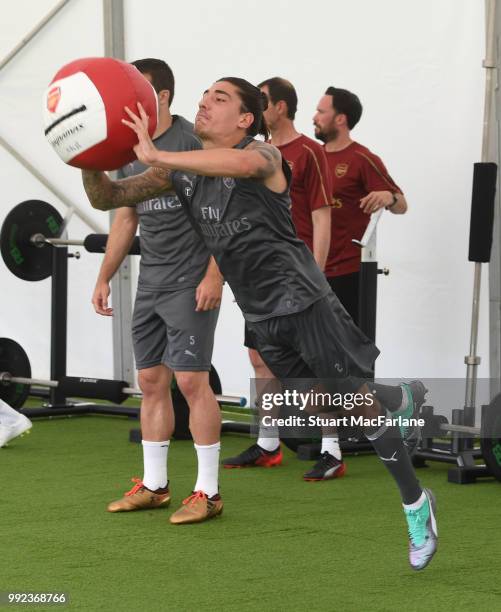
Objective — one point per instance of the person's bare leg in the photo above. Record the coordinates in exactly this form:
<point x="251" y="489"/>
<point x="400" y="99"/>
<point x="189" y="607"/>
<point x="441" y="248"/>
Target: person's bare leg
<point x="157" y="414"/>
<point x="157" y="424"/>
<point x="205" y="427"/>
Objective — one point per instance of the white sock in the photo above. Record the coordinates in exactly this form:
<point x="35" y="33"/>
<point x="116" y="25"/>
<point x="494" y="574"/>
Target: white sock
<point x="8" y="416"/>
<point x="155" y="464"/>
<point x="331" y="445"/>
<point x="417" y="504"/>
<point x="208" y="468"/>
<point x="268" y="438"/>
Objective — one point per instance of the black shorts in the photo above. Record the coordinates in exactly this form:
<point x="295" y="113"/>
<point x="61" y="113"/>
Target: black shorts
<point x="249" y="338"/>
<point x="346" y="287"/>
<point x="319" y="342"/>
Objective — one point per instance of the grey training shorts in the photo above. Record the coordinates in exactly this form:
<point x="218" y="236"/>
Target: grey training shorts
<point x="167" y="330"/>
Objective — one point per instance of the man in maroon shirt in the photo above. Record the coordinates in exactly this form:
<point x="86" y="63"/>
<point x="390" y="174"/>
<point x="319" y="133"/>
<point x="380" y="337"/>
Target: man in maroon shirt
<point x="311" y="213"/>
<point x="361" y="186"/>
<point x="310" y="195"/>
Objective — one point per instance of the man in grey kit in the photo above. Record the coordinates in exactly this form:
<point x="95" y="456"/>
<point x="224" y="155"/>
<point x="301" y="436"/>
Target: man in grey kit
<point x="175" y="314"/>
<point x="238" y="198"/>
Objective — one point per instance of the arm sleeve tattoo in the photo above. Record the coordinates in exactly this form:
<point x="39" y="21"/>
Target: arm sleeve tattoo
<point x="272" y="156"/>
<point x="105" y="194"/>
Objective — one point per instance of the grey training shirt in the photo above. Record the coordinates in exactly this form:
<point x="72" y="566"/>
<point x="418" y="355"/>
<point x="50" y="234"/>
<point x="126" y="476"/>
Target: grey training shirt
<point x="173" y="256"/>
<point x="249" y="230"/>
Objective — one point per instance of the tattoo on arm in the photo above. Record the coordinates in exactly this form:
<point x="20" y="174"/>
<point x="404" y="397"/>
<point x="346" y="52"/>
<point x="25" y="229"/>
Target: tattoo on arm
<point x="105" y="194"/>
<point x="272" y="156"/>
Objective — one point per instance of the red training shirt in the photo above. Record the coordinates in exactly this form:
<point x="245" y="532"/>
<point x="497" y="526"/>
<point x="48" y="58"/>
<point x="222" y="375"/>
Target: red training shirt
<point x="311" y="183"/>
<point x="355" y="173"/>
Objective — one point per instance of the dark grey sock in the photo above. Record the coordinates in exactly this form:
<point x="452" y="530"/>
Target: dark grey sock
<point x="389" y="396"/>
<point x="387" y="443"/>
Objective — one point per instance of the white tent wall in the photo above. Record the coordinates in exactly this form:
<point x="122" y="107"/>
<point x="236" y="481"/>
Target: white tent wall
<point x="415" y="66"/>
<point x="25" y="307"/>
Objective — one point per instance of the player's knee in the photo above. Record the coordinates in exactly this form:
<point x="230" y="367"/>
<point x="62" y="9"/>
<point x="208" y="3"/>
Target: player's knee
<point x="153" y="381"/>
<point x="192" y="384"/>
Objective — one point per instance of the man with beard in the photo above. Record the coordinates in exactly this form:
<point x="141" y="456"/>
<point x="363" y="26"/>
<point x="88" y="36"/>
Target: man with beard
<point x="361" y="186"/>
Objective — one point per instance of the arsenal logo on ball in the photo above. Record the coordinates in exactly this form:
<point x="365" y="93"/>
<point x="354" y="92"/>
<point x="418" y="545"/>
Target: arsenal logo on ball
<point x="53" y="98"/>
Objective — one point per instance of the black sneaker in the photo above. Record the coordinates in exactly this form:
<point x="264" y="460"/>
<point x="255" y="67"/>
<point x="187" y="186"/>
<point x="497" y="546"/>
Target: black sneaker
<point x="326" y="468"/>
<point x="255" y="456"/>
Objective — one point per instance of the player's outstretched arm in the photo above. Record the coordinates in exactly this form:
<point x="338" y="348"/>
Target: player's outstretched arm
<point x="259" y="160"/>
<point x="105" y="194"/>
<point x="254" y="162"/>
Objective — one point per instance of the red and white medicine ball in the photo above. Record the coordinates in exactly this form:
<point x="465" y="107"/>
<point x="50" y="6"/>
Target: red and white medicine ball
<point x="83" y="109"/>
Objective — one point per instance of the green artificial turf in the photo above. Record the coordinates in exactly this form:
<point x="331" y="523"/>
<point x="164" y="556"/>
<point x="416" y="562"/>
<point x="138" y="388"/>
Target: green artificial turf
<point x="281" y="544"/>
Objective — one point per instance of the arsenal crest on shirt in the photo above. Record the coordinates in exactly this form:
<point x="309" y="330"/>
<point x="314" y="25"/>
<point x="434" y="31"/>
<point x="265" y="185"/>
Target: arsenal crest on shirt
<point x="341" y="170"/>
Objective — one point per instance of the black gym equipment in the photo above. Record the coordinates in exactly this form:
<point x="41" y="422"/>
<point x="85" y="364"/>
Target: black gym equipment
<point x="14" y="359"/>
<point x="461" y="448"/>
<point x="490" y="437"/>
<point x="16" y="380"/>
<point x="18" y="251"/>
<point x="369" y="271"/>
<point x="32" y="225"/>
<point x="32" y="249"/>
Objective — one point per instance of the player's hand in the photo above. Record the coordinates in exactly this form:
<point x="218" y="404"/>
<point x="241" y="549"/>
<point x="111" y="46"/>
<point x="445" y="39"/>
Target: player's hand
<point x="209" y="292"/>
<point x="145" y="150"/>
<point x="100" y="299"/>
<point x="376" y="200"/>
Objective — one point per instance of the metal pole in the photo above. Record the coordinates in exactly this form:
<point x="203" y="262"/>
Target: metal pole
<point x="40" y="240"/>
<point x="367" y="292"/>
<point x="472" y="361"/>
<point x="490" y="66"/>
<point x="490" y="152"/>
<point x="32" y="33"/>
<point x="114" y="42"/>
<point x="121" y="285"/>
<point x="59" y="321"/>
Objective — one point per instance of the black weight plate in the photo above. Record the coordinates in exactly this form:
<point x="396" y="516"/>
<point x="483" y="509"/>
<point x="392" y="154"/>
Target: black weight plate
<point x="21" y="256"/>
<point x="490" y="440"/>
<point x="215" y="383"/>
<point x="14" y="360"/>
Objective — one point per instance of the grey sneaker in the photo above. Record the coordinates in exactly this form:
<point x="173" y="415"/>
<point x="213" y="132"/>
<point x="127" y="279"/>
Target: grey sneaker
<point x="423" y="534"/>
<point x="416" y="395"/>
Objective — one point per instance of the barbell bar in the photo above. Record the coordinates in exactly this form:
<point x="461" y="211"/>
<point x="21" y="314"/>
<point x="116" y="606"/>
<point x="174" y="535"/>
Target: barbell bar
<point x="97" y="388"/>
